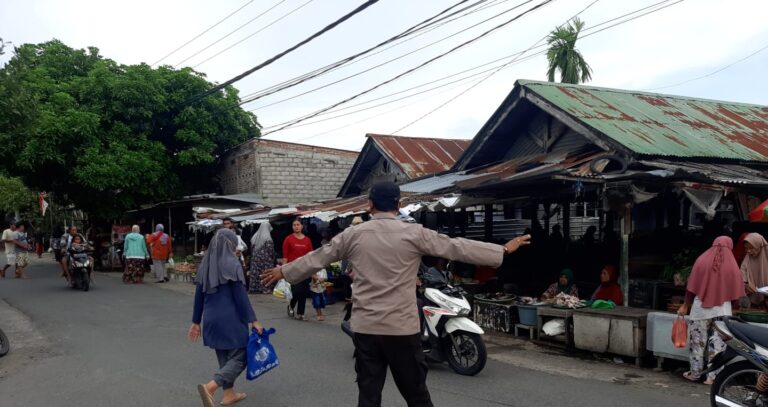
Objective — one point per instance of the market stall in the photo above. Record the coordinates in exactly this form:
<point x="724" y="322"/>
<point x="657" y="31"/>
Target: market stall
<point x="549" y="313"/>
<point x="620" y="331"/>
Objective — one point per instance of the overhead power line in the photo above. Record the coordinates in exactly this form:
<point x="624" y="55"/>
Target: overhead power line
<point x="329" y="27"/>
<point x="402" y="40"/>
<point x="454" y="34"/>
<point x="321" y="71"/>
<point x="454" y="49"/>
<point x="476" y="84"/>
<point x="202" y="33"/>
<point x="517" y="59"/>
<point x="230" y="33"/>
<point x="497" y="71"/>
<point x="715" y="72"/>
<point x="277" y="20"/>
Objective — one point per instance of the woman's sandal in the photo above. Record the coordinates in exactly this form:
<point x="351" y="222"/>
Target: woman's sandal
<point x="238" y="398"/>
<point x="205" y="396"/>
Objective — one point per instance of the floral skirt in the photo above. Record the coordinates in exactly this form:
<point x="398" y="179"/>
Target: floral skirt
<point x="134" y="270"/>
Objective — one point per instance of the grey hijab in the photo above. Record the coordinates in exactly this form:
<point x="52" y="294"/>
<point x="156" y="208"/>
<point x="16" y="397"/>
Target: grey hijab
<point x="262" y="236"/>
<point x="220" y="265"/>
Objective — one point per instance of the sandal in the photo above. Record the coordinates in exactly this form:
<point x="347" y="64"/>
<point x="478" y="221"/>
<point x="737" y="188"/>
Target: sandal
<point x="321" y="318"/>
<point x="689" y="376"/>
<point x="238" y="398"/>
<point x="205" y="396"/>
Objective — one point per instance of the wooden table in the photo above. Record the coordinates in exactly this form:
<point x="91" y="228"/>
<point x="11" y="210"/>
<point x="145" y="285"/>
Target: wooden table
<point x="547" y="313"/>
<point x="619" y="331"/>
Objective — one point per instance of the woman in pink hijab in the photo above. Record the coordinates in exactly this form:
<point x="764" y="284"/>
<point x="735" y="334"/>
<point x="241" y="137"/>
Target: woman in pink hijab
<point x="715" y="286"/>
<point x="754" y="268"/>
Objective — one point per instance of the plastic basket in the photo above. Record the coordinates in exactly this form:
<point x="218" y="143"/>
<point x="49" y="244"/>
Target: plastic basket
<point x="528" y="314"/>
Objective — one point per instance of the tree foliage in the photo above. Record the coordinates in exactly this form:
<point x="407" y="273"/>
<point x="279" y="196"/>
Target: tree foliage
<point x="563" y="55"/>
<point x="110" y="137"/>
<point x="14" y="195"/>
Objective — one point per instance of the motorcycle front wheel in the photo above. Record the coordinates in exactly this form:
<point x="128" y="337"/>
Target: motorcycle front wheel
<point x="468" y="355"/>
<point x="5" y="345"/>
<point x="735" y="385"/>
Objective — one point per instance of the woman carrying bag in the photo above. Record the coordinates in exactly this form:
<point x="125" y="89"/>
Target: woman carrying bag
<point x="221" y="304"/>
<point x="713" y="288"/>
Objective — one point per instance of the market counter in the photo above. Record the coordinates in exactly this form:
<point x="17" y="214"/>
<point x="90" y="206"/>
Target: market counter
<point x="619" y="331"/>
<point x="659" y="338"/>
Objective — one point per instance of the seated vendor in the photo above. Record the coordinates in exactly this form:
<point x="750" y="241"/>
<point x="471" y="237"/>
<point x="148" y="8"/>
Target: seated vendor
<point x="609" y="286"/>
<point x="563" y="285"/>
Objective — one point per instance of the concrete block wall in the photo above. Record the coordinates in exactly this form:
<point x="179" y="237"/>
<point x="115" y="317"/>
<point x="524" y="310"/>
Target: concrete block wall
<point x="285" y="173"/>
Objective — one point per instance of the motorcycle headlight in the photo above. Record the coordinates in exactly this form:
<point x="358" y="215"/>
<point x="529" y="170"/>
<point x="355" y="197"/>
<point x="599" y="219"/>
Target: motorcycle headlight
<point x="458" y="309"/>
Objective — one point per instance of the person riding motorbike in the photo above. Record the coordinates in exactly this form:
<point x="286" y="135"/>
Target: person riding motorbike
<point x="66" y="244"/>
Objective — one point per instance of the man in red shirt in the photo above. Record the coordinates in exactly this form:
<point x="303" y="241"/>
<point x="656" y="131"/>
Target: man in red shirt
<point x="295" y="246"/>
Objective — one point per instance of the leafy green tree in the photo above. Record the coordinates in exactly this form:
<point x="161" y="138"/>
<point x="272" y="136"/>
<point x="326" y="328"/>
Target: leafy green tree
<point x="14" y="195"/>
<point x="109" y="137"/>
<point x="563" y="55"/>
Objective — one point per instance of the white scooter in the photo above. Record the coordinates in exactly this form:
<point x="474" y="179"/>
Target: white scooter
<point x="447" y="334"/>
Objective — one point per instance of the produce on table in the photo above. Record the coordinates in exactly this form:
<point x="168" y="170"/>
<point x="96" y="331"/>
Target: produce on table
<point x="185" y="267"/>
<point x="565" y="300"/>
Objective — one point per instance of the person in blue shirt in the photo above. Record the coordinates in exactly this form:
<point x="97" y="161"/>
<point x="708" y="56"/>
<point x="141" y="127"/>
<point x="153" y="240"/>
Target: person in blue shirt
<point x="222" y="305"/>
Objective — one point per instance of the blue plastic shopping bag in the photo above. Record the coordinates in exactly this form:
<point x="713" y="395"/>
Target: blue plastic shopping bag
<point x="261" y="355"/>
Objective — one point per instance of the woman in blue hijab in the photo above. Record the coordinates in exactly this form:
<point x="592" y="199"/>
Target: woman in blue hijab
<point x="222" y="305"/>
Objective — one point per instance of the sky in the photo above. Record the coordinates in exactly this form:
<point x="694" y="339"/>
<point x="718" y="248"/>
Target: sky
<point x="684" y="41"/>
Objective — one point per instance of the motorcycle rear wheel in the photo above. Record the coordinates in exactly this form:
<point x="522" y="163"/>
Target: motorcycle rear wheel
<point x="5" y="345"/>
<point x="470" y="357"/>
<point x="736" y="383"/>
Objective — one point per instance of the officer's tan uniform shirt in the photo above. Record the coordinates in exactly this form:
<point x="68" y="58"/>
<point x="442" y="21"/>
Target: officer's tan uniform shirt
<point x="386" y="253"/>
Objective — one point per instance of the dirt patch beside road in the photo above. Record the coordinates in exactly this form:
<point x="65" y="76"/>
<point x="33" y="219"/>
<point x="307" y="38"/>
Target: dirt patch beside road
<point x="28" y="345"/>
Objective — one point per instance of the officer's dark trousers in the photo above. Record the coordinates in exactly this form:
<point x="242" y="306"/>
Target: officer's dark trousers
<point x="405" y="359"/>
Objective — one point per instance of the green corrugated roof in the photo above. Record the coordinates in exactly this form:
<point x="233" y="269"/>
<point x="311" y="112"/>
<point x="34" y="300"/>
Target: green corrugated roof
<point x="664" y="125"/>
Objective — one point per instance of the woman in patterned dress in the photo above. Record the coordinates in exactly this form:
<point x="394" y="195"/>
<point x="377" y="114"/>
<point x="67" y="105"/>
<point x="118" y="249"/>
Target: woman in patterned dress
<point x="263" y="257"/>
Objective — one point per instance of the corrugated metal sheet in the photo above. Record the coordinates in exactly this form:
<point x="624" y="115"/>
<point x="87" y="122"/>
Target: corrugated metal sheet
<point x="720" y="173"/>
<point x="525" y="168"/>
<point x="436" y="183"/>
<point x="419" y="157"/>
<point x="664" y="125"/>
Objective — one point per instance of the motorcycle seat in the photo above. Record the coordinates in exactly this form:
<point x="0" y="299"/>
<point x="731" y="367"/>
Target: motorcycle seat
<point x="750" y="334"/>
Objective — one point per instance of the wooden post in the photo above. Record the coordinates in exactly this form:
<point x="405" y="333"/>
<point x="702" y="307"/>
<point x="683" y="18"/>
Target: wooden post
<point x="170" y="228"/>
<point x="626" y="229"/>
<point x="451" y="223"/>
<point x="463" y="222"/>
<point x="195" y="241"/>
<point x="488" y="223"/>
<point x="547" y="215"/>
<point x="566" y="221"/>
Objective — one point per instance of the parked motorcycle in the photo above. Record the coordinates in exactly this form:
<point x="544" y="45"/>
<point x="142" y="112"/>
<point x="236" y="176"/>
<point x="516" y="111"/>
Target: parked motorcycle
<point x="447" y="334"/>
<point x="744" y="360"/>
<point x="79" y="267"/>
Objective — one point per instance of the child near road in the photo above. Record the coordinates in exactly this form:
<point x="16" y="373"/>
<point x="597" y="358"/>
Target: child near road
<point x="22" y="251"/>
<point x="318" y="293"/>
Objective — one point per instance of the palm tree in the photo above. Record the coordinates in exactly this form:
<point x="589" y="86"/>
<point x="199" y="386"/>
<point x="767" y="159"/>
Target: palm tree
<point x="563" y="55"/>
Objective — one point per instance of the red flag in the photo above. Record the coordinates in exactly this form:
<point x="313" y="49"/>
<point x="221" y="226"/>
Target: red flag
<point x="41" y="201"/>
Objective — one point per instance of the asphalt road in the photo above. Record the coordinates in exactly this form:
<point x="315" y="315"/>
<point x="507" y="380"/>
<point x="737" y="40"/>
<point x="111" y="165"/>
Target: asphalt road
<point x="124" y="345"/>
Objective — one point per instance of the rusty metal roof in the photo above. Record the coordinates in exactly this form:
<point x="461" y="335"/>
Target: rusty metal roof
<point x="418" y="157"/>
<point x="662" y="125"/>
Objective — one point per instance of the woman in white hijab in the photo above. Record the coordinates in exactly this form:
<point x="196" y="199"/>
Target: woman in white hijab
<point x="263" y="257"/>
